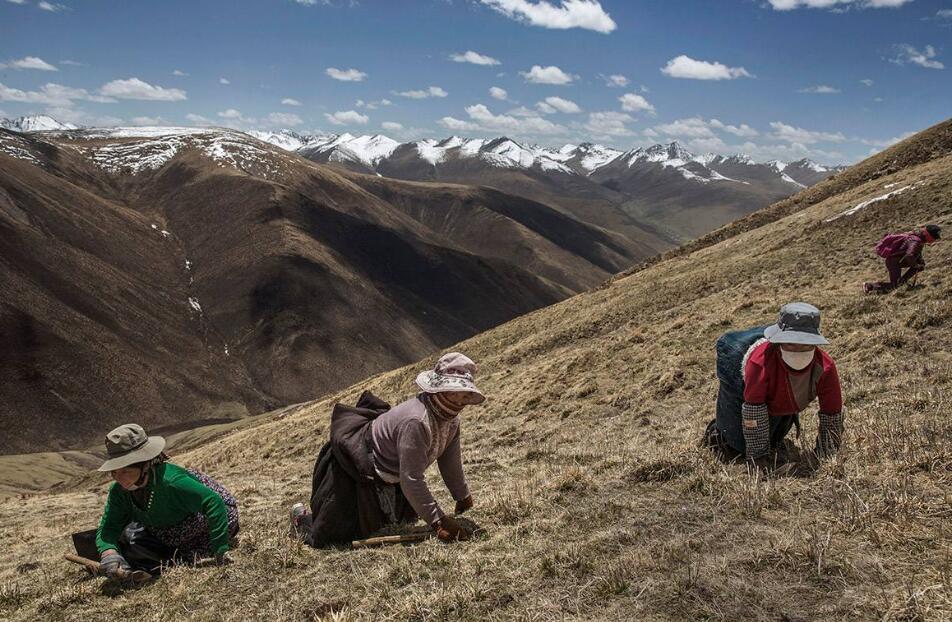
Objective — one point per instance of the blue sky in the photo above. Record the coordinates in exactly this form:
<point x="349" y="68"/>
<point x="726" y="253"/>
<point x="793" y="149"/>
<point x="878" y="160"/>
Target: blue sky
<point x="773" y="78"/>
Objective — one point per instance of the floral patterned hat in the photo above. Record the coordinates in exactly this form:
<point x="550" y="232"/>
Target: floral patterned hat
<point x="453" y="372"/>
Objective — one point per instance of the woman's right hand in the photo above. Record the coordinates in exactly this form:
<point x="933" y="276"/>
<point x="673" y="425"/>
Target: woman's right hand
<point x="114" y="565"/>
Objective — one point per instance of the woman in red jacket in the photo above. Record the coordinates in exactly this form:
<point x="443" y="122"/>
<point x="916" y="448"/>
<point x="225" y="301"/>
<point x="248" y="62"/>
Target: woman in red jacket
<point x="783" y="372"/>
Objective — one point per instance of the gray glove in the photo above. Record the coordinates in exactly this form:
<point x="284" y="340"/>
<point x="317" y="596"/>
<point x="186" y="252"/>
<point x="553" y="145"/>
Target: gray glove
<point x="756" y="426"/>
<point x="830" y="435"/>
<point x="115" y="566"/>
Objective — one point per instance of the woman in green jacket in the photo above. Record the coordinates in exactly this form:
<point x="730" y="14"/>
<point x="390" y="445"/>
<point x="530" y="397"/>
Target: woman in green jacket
<point x="158" y="512"/>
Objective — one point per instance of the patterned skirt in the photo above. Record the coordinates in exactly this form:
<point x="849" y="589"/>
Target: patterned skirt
<point x="190" y="539"/>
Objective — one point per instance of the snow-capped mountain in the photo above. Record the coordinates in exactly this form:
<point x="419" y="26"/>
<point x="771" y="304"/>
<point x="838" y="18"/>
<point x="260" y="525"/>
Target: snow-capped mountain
<point x="36" y="123"/>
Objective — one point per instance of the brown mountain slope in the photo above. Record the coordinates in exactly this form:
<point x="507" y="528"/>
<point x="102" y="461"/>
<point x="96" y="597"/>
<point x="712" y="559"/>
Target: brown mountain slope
<point x="205" y="275"/>
<point x="598" y="505"/>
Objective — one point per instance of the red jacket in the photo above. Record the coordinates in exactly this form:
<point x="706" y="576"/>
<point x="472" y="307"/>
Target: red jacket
<point x="766" y="381"/>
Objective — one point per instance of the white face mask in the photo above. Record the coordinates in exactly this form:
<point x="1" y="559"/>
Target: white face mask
<point x="797" y="360"/>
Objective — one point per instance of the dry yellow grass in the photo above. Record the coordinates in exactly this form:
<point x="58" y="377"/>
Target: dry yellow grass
<point x="584" y="463"/>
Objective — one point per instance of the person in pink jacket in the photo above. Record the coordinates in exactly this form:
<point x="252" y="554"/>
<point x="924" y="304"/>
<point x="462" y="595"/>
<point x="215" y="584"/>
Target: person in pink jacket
<point x="903" y="250"/>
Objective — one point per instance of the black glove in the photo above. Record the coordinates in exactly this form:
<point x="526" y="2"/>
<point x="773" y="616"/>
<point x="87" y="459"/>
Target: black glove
<point x="115" y="567"/>
<point x="464" y="504"/>
<point x="830" y="435"/>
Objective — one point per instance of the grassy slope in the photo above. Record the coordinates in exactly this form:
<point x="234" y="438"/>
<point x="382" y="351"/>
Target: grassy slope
<point x="584" y="465"/>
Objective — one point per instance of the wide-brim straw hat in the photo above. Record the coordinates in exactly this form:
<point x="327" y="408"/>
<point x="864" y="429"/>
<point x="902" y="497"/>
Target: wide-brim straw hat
<point x="129" y="444"/>
<point x="799" y="323"/>
<point x="453" y="372"/>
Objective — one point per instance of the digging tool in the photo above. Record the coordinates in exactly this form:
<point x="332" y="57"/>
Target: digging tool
<point x="95" y="568"/>
<point x="399" y="539"/>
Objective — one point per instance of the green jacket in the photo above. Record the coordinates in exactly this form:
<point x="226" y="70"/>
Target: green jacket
<point x="175" y="495"/>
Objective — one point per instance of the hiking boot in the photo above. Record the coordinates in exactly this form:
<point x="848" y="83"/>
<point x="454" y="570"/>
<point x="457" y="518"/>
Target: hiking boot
<point x="300" y="516"/>
<point x="867" y="288"/>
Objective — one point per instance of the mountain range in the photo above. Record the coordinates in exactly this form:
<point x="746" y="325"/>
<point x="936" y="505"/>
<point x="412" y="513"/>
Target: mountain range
<point x="679" y="195"/>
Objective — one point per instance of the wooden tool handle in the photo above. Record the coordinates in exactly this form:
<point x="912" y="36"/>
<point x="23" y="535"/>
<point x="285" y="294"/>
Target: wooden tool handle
<point x="398" y="539"/>
<point x="92" y="565"/>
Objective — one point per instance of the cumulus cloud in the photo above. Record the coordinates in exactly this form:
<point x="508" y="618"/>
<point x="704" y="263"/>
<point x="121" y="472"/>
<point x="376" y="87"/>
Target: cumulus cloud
<point x="197" y="119"/>
<point x="498" y="93"/>
<point x="346" y="75"/>
<point x="743" y="130"/>
<point x="905" y="54"/>
<point x="290" y="101"/>
<point x="608" y="124"/>
<point x="179" y="72"/>
<point x="557" y="104"/>
<point x="822" y="89"/>
<point x="224" y="81"/>
<point x="630" y="102"/>
<point x="147" y="121"/>
<point x="694" y="127"/>
<point x="792" y="134"/>
<point x="134" y="88"/>
<point x="547" y="75"/>
<point x="586" y="14"/>
<point x="28" y="62"/>
<point x="392" y="126"/>
<point x="484" y="120"/>
<point x="347" y="117"/>
<point x="789" y="5"/>
<point x="686" y="67"/>
<point x="372" y="105"/>
<point x="944" y="14"/>
<point x="284" y="119"/>
<point x="474" y="58"/>
<point x="866" y="82"/>
<point x="433" y="91"/>
<point x="51" y="94"/>
<point x="615" y="80"/>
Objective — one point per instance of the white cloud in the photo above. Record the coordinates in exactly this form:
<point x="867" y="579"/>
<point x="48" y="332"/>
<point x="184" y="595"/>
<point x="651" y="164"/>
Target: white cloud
<point x="867" y="82"/>
<point x="433" y="91"/>
<point x="290" y="101"/>
<point x="586" y="14"/>
<point x="284" y="119"/>
<point x="616" y="80"/>
<point x="346" y="75"/>
<point x="743" y="130"/>
<point x="822" y="89"/>
<point x="792" y="134"/>
<point x="51" y="7"/>
<point x="474" y="58"/>
<point x="522" y="111"/>
<point x="547" y="75"/>
<point x="51" y="95"/>
<point x="630" y="102"/>
<point x="882" y="144"/>
<point x="197" y="119"/>
<point x="347" y="117"/>
<point x="224" y="81"/>
<point x="392" y="126"/>
<point x="561" y="105"/>
<point x="944" y="14"/>
<point x="906" y="54"/>
<point x="650" y="133"/>
<point x="179" y="72"/>
<point x="72" y="63"/>
<point x="483" y="120"/>
<point x="694" y="127"/>
<point x="497" y="93"/>
<point x="373" y="105"/>
<point x="608" y="124"/>
<point x="134" y="88"/>
<point x="686" y="67"/>
<point x="147" y="121"/>
<point x="230" y="114"/>
<point x="17" y="1"/>
<point x="789" y="5"/>
<point x="29" y="62"/>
